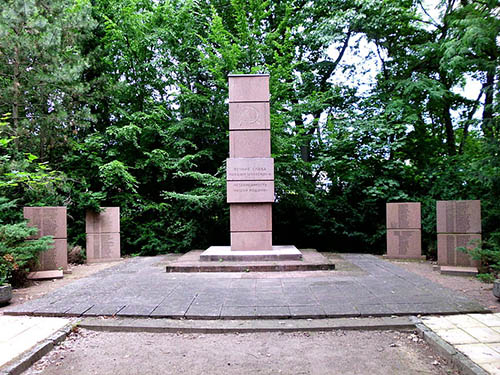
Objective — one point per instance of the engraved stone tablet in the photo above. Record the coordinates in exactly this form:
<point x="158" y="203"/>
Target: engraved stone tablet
<point x="50" y="221"/>
<point x="249" y="116"/>
<point x="404" y="243"/>
<point x="250" y="169"/>
<point x="403" y="215"/>
<point x="249" y="88"/>
<point x="250" y="191"/>
<point x="103" y="247"/>
<point x="248" y="217"/>
<point x="54" y="258"/>
<point x="250" y="144"/>
<point x="448" y="255"/>
<point x="251" y="241"/>
<point x="458" y="216"/>
<point x="107" y="221"/>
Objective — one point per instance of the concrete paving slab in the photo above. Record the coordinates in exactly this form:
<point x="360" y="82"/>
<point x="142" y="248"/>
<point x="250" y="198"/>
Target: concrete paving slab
<point x="483" y="334"/>
<point x="479" y="353"/>
<point x="438" y="323"/>
<point x="456" y="336"/>
<point x="464" y="321"/>
<point x="490" y="320"/>
<point x="495" y="346"/>
<point x="135" y="285"/>
<point x="493" y="369"/>
<point x="104" y="309"/>
<point x="273" y="312"/>
<point x="203" y="311"/>
<point x="238" y="312"/>
<point x="473" y="335"/>
<point x="21" y="333"/>
<point x="136" y="310"/>
<point x="307" y="311"/>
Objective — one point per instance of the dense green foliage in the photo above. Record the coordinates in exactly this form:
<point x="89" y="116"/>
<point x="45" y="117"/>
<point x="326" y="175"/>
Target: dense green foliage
<point x="20" y="175"/>
<point x="127" y="100"/>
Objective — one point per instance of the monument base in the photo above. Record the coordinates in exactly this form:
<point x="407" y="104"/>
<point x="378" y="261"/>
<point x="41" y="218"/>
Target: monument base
<point x="458" y="271"/>
<point x="44" y="275"/>
<point x="403" y="257"/>
<point x="106" y="260"/>
<point x="218" y="253"/>
<point x="191" y="262"/>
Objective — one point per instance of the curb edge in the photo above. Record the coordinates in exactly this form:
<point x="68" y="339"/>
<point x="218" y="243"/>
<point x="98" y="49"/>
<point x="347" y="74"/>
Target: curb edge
<point x="456" y="358"/>
<point x="24" y="361"/>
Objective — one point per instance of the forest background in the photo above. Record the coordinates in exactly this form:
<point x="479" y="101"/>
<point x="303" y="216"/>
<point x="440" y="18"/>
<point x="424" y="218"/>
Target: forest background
<point x="124" y="103"/>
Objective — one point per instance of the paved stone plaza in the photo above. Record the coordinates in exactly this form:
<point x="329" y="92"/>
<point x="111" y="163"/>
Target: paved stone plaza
<point x="140" y="287"/>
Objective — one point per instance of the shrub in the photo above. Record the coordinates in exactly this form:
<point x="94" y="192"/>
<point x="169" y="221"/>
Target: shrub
<point x="17" y="253"/>
<point x="488" y="255"/>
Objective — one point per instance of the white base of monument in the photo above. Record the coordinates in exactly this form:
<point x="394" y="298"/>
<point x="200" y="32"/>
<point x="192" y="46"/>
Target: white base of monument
<point x="217" y="253"/>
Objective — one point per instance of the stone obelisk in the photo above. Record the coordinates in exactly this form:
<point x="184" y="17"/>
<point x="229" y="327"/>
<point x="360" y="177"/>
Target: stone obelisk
<point x="250" y="175"/>
<point x="250" y="168"/>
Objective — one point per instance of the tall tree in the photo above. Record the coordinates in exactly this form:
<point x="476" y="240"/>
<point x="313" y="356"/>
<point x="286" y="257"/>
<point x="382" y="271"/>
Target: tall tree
<point x="40" y="66"/>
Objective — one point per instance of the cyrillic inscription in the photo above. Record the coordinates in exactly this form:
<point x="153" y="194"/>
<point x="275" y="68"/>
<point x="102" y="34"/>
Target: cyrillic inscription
<point x="250" y="169"/>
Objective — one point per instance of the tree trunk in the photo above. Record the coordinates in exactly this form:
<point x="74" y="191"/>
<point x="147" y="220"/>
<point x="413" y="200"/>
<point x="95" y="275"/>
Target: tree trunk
<point x="488" y="86"/>
<point x="16" y="94"/>
<point x="450" y="133"/>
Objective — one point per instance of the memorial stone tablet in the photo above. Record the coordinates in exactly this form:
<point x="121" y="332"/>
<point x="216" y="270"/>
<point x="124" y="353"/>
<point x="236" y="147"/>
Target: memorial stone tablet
<point x="403" y="215"/>
<point x="50" y="221"/>
<point x="250" y="169"/>
<point x="250" y="191"/>
<point x="458" y="225"/>
<point x="106" y="221"/>
<point x="103" y="247"/>
<point x="404" y="243"/>
<point x="459" y="216"/>
<point x="450" y="255"/>
<point x="403" y="230"/>
<point x="55" y="258"/>
<point x="103" y="235"/>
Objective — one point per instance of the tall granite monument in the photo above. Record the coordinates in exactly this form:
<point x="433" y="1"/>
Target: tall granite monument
<point x="250" y="175"/>
<point x="458" y="223"/>
<point x="250" y="168"/>
<point x="404" y="237"/>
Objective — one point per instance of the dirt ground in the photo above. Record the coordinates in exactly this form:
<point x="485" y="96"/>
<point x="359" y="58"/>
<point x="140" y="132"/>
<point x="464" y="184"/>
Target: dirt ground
<point x="469" y="285"/>
<point x="338" y="352"/>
